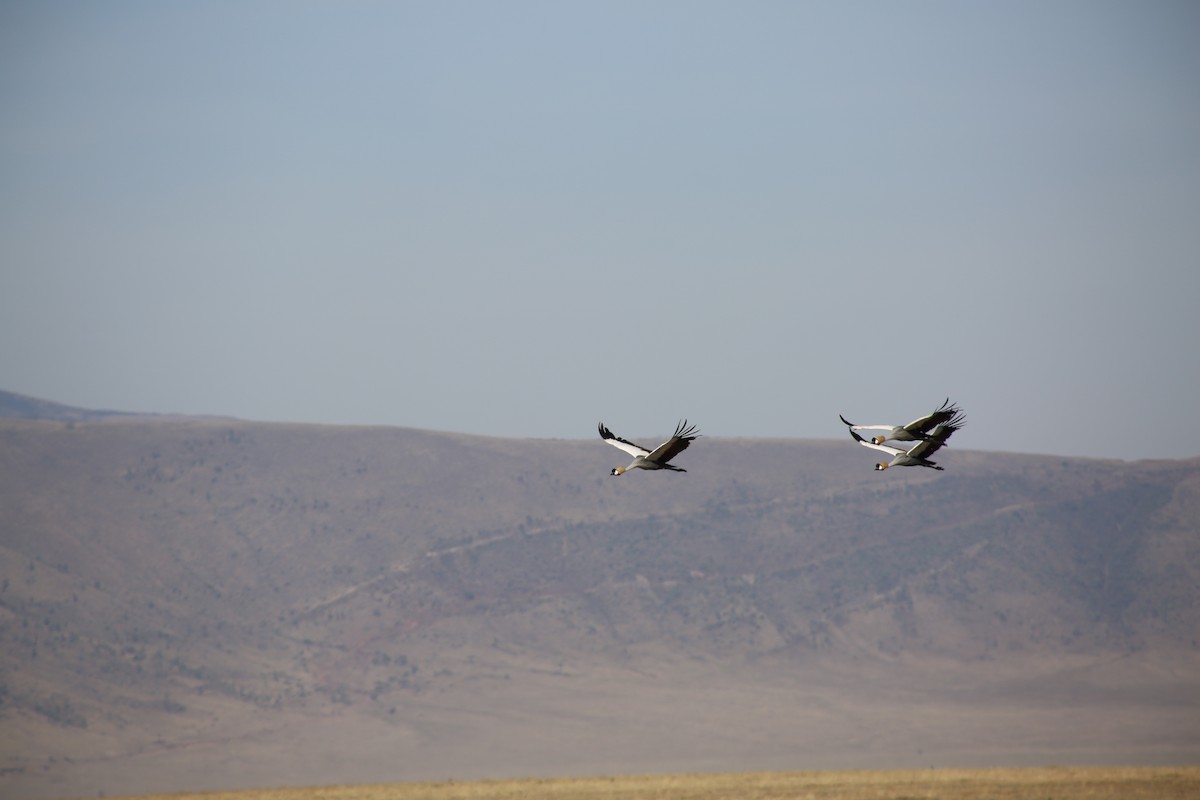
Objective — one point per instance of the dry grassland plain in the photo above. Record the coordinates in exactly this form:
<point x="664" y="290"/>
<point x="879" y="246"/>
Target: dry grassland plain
<point x="1048" y="783"/>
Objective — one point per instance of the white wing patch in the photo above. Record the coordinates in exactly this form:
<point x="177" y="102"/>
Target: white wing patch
<point x="621" y="444"/>
<point x="892" y="451"/>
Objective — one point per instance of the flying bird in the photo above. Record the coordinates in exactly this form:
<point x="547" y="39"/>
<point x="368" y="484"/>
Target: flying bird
<point x="656" y="458"/>
<point x="915" y="431"/>
<point x="918" y="455"/>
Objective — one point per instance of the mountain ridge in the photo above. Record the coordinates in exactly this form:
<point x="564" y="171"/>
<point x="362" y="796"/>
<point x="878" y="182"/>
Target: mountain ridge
<point x="20" y="406"/>
<point x="180" y="592"/>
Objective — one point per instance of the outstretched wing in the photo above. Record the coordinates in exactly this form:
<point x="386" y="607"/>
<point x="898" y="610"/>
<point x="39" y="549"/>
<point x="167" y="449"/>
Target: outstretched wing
<point x="891" y="451"/>
<point x="941" y="415"/>
<point x="937" y="437"/>
<point x="854" y="427"/>
<point x="622" y="444"/>
<point x="678" y="442"/>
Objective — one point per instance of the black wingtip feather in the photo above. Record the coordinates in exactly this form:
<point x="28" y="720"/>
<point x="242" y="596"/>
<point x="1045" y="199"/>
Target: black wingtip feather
<point x="684" y="431"/>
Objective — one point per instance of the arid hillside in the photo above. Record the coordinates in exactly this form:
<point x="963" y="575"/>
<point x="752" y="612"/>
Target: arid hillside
<point x="192" y="604"/>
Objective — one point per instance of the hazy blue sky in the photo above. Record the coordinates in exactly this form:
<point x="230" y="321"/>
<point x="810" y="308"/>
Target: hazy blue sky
<point x="519" y="218"/>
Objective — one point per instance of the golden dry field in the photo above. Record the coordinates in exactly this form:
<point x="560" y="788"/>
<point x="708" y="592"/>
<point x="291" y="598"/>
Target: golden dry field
<point x="1046" y="783"/>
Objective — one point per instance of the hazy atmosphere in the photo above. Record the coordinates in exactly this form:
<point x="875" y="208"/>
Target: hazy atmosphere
<point x="519" y="218"/>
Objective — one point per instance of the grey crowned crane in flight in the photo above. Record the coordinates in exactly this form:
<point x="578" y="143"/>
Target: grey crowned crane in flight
<point x="915" y="431"/>
<point x="917" y="455"/>
<point x="656" y="458"/>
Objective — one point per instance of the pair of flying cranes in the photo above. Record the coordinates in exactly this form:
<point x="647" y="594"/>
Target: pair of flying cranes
<point x="930" y="433"/>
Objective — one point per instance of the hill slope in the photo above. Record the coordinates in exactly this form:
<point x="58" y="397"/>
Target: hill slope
<point x="20" y="406"/>
<point x="192" y="604"/>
